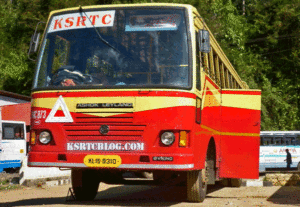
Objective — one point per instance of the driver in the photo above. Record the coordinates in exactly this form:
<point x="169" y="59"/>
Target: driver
<point x="68" y="76"/>
<point x="67" y="82"/>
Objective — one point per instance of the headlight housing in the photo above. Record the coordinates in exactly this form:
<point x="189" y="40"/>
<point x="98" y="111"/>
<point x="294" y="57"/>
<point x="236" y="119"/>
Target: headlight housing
<point x="167" y="138"/>
<point x="45" y="137"/>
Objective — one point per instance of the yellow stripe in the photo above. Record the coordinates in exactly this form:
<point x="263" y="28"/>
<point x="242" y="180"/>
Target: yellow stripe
<point x="211" y="100"/>
<point x="242" y="101"/>
<point x="213" y="131"/>
<point x="139" y="104"/>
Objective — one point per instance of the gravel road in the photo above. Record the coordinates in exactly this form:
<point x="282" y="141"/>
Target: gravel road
<point x="120" y="195"/>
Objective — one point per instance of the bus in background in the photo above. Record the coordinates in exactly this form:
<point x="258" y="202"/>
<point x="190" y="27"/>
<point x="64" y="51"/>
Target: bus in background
<point x="13" y="145"/>
<point x="142" y="88"/>
<point x="272" y="150"/>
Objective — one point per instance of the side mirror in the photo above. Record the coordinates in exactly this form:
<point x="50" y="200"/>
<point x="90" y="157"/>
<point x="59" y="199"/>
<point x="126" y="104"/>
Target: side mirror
<point x="34" y="42"/>
<point x="203" y="41"/>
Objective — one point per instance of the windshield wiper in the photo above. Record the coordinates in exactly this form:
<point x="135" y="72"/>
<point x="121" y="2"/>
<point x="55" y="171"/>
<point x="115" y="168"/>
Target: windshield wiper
<point x="100" y="37"/>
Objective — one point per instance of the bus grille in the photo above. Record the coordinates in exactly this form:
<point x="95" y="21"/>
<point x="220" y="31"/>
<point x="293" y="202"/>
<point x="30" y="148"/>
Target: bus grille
<point x="88" y="128"/>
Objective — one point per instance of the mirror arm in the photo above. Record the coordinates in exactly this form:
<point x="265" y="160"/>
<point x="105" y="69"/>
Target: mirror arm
<point x="34" y="39"/>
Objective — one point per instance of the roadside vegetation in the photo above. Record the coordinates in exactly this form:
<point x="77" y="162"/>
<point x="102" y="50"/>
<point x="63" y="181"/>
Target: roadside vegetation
<point x="261" y="39"/>
<point x="8" y="182"/>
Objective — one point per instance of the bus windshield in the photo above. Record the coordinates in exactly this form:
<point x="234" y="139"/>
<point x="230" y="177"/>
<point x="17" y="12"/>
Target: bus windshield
<point x="115" y="48"/>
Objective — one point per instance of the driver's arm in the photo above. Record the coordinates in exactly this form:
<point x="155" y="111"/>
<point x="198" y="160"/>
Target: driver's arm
<point x="68" y="82"/>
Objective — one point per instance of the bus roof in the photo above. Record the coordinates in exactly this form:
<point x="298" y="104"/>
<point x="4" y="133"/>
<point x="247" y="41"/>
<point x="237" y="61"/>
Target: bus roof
<point x="280" y="133"/>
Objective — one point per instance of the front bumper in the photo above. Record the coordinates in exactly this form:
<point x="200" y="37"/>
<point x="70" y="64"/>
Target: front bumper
<point x="129" y="161"/>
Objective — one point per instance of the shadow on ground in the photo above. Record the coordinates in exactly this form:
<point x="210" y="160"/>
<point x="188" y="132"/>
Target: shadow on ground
<point x="127" y="195"/>
<point x="288" y="194"/>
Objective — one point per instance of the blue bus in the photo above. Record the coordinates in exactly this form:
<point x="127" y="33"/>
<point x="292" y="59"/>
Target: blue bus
<point x="12" y="145"/>
<point x="273" y="145"/>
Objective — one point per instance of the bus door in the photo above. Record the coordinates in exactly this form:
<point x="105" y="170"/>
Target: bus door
<point x="240" y="114"/>
<point x="13" y="144"/>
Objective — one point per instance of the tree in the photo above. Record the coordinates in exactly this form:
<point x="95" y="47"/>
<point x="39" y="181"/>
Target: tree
<point x="263" y="45"/>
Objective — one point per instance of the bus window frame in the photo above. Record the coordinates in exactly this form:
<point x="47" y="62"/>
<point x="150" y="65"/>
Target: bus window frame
<point x="188" y="22"/>
<point x="11" y="123"/>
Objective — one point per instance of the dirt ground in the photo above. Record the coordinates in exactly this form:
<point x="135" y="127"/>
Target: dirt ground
<point x="126" y="195"/>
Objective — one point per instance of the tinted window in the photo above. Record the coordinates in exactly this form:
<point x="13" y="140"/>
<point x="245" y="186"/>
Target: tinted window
<point x="12" y="131"/>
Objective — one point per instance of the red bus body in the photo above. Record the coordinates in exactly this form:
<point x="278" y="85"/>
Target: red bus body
<point x="235" y="131"/>
<point x="151" y="82"/>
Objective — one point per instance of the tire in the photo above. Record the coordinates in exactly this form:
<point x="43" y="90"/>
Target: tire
<point x="85" y="184"/>
<point x="197" y="185"/>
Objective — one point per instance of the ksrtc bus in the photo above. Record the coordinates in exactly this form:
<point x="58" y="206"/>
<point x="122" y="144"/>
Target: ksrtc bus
<point x="13" y="145"/>
<point x="140" y="87"/>
<point x="273" y="145"/>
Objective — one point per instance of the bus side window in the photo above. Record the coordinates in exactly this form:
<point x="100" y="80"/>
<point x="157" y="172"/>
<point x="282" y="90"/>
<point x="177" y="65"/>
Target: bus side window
<point x="287" y="141"/>
<point x="277" y="141"/>
<point x="297" y="141"/>
<point x="266" y="141"/>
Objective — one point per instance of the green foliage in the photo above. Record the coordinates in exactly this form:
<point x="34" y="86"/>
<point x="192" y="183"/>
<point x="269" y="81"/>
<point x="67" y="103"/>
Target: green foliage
<point x="263" y="45"/>
<point x="13" y="61"/>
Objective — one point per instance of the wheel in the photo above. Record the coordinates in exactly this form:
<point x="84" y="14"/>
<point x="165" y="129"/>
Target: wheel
<point x="85" y="184"/>
<point x="235" y="182"/>
<point x="197" y="185"/>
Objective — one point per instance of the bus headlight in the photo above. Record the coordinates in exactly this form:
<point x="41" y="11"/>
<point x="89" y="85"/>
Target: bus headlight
<point x="45" y="137"/>
<point x="167" y="138"/>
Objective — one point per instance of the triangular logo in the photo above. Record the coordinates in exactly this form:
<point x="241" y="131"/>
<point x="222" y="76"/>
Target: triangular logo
<point x="60" y="103"/>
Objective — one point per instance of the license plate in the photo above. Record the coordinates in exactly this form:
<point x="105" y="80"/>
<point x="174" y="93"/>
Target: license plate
<point x="102" y="160"/>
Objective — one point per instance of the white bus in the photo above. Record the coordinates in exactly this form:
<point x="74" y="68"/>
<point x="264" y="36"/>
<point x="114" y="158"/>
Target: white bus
<point x="12" y="144"/>
<point x="272" y="149"/>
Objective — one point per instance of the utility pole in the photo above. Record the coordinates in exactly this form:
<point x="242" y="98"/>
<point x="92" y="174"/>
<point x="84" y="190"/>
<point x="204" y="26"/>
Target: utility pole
<point x="244" y="10"/>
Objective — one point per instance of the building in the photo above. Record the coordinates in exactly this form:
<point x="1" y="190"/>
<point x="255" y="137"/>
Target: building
<point x="15" y="107"/>
<point x="9" y="98"/>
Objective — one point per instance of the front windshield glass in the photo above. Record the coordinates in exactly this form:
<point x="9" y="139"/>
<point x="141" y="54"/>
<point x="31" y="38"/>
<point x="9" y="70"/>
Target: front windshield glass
<point x="113" y="48"/>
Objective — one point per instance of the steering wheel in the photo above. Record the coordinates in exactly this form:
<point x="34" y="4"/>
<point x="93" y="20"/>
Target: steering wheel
<point x="67" y="76"/>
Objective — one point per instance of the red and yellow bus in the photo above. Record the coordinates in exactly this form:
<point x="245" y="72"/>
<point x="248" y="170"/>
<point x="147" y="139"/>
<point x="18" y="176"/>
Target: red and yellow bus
<point x="141" y="88"/>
